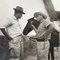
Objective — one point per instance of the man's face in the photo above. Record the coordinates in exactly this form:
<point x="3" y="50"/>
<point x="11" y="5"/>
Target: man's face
<point x="19" y="15"/>
<point x="39" y="18"/>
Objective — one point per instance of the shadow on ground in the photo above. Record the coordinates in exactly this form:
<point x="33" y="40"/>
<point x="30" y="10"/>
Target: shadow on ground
<point x="4" y="51"/>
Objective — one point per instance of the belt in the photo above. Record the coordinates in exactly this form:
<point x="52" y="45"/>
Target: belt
<point x="39" y="39"/>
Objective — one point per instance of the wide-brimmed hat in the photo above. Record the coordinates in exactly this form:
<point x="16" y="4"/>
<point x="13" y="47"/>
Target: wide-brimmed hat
<point x="40" y="13"/>
<point x="20" y="9"/>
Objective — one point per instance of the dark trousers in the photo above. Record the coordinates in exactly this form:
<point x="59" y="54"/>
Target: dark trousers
<point x="51" y="52"/>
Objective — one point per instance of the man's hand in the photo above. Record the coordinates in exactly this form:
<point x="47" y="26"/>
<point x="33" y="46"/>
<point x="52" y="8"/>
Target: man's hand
<point x="9" y="38"/>
<point x="6" y="34"/>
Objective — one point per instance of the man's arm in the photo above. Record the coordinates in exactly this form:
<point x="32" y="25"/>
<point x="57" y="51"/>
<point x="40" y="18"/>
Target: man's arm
<point x="49" y="29"/>
<point x="45" y="34"/>
<point x="34" y="28"/>
<point x="5" y="33"/>
<point x="8" y="23"/>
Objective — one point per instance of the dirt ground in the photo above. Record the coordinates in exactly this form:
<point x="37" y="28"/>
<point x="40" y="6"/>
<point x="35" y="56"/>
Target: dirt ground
<point x="42" y="52"/>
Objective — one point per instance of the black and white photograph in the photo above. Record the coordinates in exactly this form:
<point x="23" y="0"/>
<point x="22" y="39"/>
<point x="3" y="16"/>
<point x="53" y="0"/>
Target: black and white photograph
<point x="29" y="30"/>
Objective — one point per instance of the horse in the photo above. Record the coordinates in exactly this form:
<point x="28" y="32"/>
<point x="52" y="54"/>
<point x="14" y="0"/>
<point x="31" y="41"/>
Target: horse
<point x="28" y="28"/>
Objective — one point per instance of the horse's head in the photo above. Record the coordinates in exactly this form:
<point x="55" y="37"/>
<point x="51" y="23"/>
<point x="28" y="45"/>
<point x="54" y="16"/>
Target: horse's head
<point x="28" y="28"/>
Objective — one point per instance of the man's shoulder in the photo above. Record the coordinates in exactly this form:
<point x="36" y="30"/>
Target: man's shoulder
<point x="12" y="19"/>
<point x="47" y="23"/>
<point x="8" y="22"/>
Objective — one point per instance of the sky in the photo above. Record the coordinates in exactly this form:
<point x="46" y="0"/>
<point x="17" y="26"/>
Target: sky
<point x="56" y="4"/>
<point x="30" y="6"/>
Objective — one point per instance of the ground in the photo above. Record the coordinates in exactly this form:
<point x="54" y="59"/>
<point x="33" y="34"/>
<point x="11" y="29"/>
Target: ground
<point x="33" y="50"/>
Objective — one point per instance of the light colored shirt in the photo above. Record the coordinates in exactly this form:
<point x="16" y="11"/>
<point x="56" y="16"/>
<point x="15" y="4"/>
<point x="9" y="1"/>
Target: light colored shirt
<point x="42" y="28"/>
<point x="14" y="29"/>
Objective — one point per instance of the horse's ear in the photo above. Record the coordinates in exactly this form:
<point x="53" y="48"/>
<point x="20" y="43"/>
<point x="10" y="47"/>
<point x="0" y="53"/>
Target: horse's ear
<point x="31" y="19"/>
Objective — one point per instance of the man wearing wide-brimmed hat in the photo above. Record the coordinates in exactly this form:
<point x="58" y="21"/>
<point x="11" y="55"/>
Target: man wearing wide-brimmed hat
<point x="13" y="33"/>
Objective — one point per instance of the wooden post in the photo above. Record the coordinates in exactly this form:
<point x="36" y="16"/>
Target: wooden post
<point x="50" y="9"/>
